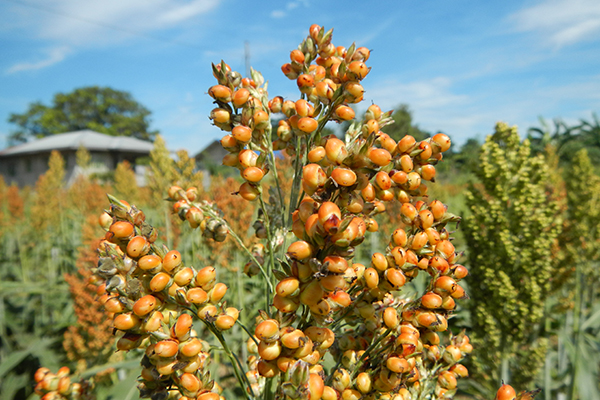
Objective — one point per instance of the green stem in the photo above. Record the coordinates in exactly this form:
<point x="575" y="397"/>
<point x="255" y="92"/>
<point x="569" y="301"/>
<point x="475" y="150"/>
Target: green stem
<point x="240" y="242"/>
<point x="168" y="228"/>
<point x="22" y="258"/>
<point x="576" y="331"/>
<point x="240" y="300"/>
<point x="295" y="182"/>
<point x="268" y="290"/>
<point x="237" y="368"/>
<point x="250" y="334"/>
<point x="504" y="369"/>
<point x="267" y="391"/>
<point x="368" y="351"/>
<point x="276" y="174"/>
<point x="548" y="361"/>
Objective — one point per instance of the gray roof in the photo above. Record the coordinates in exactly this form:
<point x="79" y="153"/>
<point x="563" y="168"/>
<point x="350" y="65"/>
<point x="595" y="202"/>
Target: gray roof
<point x="92" y="141"/>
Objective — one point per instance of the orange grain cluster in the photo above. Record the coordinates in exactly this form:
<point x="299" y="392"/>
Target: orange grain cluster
<point x="150" y="291"/>
<point x="388" y="342"/>
<point x="59" y="386"/>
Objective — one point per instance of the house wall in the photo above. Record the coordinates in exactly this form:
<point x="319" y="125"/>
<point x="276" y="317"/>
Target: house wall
<point x="25" y="170"/>
<point x="212" y="155"/>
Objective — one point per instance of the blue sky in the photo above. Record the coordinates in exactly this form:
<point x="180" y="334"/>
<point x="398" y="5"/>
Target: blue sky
<point x="460" y="65"/>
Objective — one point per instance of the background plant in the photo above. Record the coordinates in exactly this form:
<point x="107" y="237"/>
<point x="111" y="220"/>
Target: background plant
<point x="509" y="232"/>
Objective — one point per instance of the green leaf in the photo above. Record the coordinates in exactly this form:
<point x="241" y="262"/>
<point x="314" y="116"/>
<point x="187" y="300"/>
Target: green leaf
<point x="12" y="384"/>
<point x="15" y="358"/>
<point x="22" y="288"/>
<point x="129" y="364"/>
<point x="127" y="388"/>
<point x="592" y="322"/>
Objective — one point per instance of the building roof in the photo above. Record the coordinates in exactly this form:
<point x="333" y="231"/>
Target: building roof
<point x="92" y="141"/>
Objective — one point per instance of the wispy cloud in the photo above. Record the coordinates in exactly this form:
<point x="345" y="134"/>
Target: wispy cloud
<point x="187" y="11"/>
<point x="379" y="28"/>
<point x="561" y="22"/>
<point x="433" y="102"/>
<point x="53" y="56"/>
<point x="78" y="23"/>
<point x="279" y="13"/>
<point x="435" y="92"/>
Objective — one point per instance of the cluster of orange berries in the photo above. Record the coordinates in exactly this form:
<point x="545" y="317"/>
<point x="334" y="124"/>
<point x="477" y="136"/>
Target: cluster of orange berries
<point x="385" y="346"/>
<point x="242" y="111"/>
<point x="373" y="166"/>
<point x="335" y="69"/>
<point x="175" y="364"/>
<point x="148" y="289"/>
<point x="323" y="278"/>
<point x="245" y="111"/>
<point x="279" y="348"/>
<point x="333" y="80"/>
<point x="186" y="207"/>
<point x="58" y="386"/>
<point x="347" y="183"/>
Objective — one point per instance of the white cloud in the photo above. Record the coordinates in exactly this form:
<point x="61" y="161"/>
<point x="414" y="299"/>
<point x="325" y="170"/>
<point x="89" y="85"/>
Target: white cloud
<point x="432" y="102"/>
<point x="53" y="56"/>
<point x="187" y="11"/>
<point x="430" y="93"/>
<point x="561" y="22"/>
<point x="288" y="7"/>
<point x="188" y="127"/>
<point x="84" y="23"/>
<point x="379" y="28"/>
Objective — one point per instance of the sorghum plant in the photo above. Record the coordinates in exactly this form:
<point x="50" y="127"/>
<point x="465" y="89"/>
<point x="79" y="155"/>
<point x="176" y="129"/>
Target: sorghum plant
<point x="509" y="233"/>
<point x="329" y="327"/>
<point x="125" y="183"/>
<point x="581" y="243"/>
<point x="89" y="341"/>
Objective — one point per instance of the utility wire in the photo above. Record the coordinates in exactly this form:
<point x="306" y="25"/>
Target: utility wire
<point x="104" y="24"/>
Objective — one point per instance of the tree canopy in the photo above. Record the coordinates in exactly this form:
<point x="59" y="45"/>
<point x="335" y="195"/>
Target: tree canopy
<point x="101" y="109"/>
<point x="403" y="125"/>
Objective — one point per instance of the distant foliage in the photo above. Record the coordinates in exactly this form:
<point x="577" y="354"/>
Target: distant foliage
<point x="568" y="139"/>
<point x="125" y="182"/>
<point x="403" y="125"/>
<point x="509" y="233"/>
<point x="101" y="109"/>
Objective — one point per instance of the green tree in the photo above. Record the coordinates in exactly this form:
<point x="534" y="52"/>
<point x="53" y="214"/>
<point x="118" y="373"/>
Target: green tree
<point x="466" y="159"/>
<point x="101" y="109"/>
<point x="509" y="232"/>
<point x="403" y="125"/>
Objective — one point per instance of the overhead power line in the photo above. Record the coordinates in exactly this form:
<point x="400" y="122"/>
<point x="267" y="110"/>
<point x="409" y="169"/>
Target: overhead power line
<point x="104" y="24"/>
